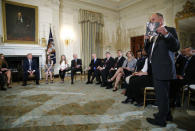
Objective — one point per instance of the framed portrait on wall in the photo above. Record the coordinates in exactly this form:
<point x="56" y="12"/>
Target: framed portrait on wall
<point x="20" y="23"/>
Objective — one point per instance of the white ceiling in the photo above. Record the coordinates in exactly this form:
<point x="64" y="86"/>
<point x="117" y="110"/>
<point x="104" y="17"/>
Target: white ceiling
<point x="112" y="4"/>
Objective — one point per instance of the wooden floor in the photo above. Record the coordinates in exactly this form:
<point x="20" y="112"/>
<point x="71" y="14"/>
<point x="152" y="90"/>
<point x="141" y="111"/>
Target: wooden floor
<point x="78" y="107"/>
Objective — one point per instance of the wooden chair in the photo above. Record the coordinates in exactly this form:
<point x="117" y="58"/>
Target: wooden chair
<point x="184" y="89"/>
<point x="191" y="90"/>
<point x="148" y="90"/>
<point x="79" y="73"/>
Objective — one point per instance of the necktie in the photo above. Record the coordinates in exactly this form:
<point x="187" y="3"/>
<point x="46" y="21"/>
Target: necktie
<point x="30" y="62"/>
<point x="185" y="66"/>
<point x="75" y="63"/>
<point x="94" y="65"/>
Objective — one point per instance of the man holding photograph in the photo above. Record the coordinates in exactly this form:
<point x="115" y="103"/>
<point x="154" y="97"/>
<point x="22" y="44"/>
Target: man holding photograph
<point x="160" y="49"/>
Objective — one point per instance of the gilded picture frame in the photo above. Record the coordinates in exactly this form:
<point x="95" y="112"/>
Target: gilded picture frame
<point x="20" y="23"/>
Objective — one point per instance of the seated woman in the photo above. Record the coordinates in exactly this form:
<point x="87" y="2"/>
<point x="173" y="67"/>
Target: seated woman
<point x="64" y="67"/>
<point x="49" y="69"/>
<point x="126" y="70"/>
<point x="4" y="68"/>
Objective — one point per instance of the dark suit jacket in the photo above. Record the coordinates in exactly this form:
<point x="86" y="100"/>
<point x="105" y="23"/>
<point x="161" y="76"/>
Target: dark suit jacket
<point x="34" y="65"/>
<point x="109" y="64"/>
<point x="96" y="64"/>
<point x="119" y="63"/>
<point x="179" y="64"/>
<point x="140" y="63"/>
<point x="163" y="64"/>
<point x="79" y="62"/>
<point x="190" y="71"/>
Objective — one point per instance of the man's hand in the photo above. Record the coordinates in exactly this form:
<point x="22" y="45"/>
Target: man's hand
<point x="140" y="73"/>
<point x="162" y="30"/>
<point x="179" y="77"/>
<point x="77" y="66"/>
<point x="89" y="68"/>
<point x="111" y="69"/>
<point x="100" y="68"/>
<point x="127" y="68"/>
<point x="146" y="37"/>
<point x="4" y="69"/>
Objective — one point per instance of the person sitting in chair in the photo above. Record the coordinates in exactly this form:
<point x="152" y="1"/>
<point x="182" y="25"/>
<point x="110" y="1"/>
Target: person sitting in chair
<point x="30" y="68"/>
<point x="2" y="80"/>
<point x="127" y="69"/>
<point x="4" y="69"/>
<point x="103" y="70"/>
<point x="76" y="65"/>
<point x="64" y="67"/>
<point x="49" y="69"/>
<point x="95" y="62"/>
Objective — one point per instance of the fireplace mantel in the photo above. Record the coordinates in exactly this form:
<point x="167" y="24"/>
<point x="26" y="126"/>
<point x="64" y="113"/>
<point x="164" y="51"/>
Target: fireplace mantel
<point x="11" y="50"/>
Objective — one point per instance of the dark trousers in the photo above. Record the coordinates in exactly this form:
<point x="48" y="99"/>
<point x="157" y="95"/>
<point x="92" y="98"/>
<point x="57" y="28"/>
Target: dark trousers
<point x="137" y="85"/>
<point x="111" y="73"/>
<point x="104" y="75"/>
<point x="26" y="74"/>
<point x="91" y="73"/>
<point x="162" y="98"/>
<point x="62" y="73"/>
<point x="2" y="79"/>
<point x="73" y="71"/>
<point x="98" y="74"/>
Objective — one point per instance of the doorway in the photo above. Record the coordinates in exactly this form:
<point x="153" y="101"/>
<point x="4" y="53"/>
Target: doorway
<point x="137" y="43"/>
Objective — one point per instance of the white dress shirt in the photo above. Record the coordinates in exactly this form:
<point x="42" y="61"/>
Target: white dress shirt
<point x="145" y="68"/>
<point x="63" y="65"/>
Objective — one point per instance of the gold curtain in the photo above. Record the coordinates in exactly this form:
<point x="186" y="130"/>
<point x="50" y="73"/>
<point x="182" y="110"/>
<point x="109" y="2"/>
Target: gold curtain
<point x="91" y="27"/>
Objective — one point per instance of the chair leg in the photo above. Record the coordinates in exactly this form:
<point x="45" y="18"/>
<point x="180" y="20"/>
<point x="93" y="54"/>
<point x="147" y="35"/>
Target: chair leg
<point x="183" y="96"/>
<point x="189" y="93"/>
<point x="144" y="98"/>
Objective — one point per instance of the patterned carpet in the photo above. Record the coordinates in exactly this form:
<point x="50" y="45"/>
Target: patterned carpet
<point x="78" y="107"/>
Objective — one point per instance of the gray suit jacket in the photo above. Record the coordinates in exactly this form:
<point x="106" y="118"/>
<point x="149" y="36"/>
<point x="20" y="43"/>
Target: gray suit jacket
<point x="163" y="64"/>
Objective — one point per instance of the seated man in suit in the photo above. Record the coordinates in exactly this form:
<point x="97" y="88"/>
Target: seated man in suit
<point x="30" y="67"/>
<point x="118" y="62"/>
<point x="103" y="70"/>
<point x="95" y="62"/>
<point x="76" y="65"/>
<point x="184" y="77"/>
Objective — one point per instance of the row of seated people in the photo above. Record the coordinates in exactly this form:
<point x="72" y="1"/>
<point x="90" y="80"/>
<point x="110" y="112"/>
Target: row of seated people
<point x="31" y="68"/>
<point x="184" y="62"/>
<point x="111" y="69"/>
<point x="135" y="77"/>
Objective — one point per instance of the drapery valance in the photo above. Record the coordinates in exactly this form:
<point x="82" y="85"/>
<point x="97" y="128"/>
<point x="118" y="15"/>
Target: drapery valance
<point x="90" y="16"/>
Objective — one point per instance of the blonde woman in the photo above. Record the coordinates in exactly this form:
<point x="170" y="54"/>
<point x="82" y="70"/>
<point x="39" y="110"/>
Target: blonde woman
<point x="64" y="67"/>
<point x="127" y="68"/>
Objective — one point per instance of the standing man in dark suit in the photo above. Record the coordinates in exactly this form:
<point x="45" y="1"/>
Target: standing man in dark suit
<point x="76" y="65"/>
<point x="95" y="62"/>
<point x="160" y="50"/>
<point x="103" y="70"/>
<point x="30" y="67"/>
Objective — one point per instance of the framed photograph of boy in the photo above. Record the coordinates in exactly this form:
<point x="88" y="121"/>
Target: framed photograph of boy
<point x="20" y="23"/>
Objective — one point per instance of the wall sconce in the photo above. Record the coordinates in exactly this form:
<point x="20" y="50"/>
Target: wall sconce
<point x="67" y="34"/>
<point x="67" y="42"/>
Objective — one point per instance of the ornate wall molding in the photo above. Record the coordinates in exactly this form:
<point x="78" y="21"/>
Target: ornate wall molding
<point x="188" y="10"/>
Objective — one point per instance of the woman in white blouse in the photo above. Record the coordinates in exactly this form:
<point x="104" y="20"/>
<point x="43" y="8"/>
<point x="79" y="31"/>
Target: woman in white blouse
<point x="64" y="67"/>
